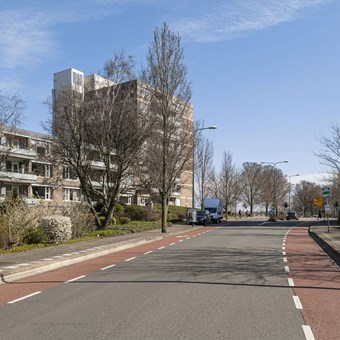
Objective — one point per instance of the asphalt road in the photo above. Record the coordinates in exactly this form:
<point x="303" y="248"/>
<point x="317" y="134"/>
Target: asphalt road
<point x="227" y="283"/>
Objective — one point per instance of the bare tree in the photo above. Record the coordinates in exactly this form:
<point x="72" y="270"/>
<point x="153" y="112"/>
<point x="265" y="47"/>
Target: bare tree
<point x="330" y="153"/>
<point x="170" y="154"/>
<point x="101" y="135"/>
<point x="266" y="195"/>
<point x="251" y="183"/>
<point x="204" y="153"/>
<point x="231" y="186"/>
<point x="304" y="194"/>
<point x="11" y="116"/>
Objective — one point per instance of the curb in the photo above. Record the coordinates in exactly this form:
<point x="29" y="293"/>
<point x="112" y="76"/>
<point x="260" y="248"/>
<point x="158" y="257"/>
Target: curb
<point x="331" y="248"/>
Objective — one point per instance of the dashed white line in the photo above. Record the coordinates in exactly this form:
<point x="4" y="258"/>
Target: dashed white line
<point x="75" y="279"/>
<point x="308" y="332"/>
<point x="47" y="259"/>
<point x="11" y="267"/>
<point x="283" y="248"/>
<point x="188" y="238"/>
<point x="148" y="252"/>
<point x="164" y="246"/>
<point x="130" y="259"/>
<point x="291" y="282"/>
<point x="171" y="244"/>
<point x="25" y="297"/>
<point x="297" y="302"/>
<point x="67" y="254"/>
<point x="112" y="265"/>
<point x="180" y="240"/>
<point x="284" y="253"/>
<point x="285" y="259"/>
<point x="287" y="269"/>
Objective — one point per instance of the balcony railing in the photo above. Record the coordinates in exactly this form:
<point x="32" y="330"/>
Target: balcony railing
<point x="18" y="176"/>
<point x="18" y="151"/>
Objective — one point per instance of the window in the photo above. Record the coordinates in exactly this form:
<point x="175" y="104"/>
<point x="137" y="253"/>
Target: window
<point x="68" y="173"/>
<point x="42" y="192"/>
<point x="47" y="170"/>
<point x="71" y="194"/>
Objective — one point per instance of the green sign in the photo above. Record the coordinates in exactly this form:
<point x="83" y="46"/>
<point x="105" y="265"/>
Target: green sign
<point x="326" y="192"/>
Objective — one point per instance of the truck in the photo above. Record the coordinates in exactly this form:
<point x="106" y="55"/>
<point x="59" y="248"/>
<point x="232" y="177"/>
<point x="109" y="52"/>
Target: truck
<point x="215" y="206"/>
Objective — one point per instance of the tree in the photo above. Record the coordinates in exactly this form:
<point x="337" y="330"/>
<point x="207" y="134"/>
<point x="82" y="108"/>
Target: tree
<point x="204" y="153"/>
<point x="100" y="135"/>
<point x="304" y="194"/>
<point x="251" y="184"/>
<point x="231" y="186"/>
<point x="266" y="195"/>
<point x="330" y="152"/>
<point x="11" y="116"/>
<point x="170" y="154"/>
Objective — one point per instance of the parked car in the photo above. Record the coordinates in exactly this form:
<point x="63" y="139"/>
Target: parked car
<point x="292" y="215"/>
<point x="203" y="217"/>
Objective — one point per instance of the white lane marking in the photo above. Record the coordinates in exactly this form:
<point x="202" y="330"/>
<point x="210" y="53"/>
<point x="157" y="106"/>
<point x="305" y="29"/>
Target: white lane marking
<point x="47" y="259"/>
<point x="11" y="267"/>
<point x="285" y="259"/>
<point x="164" y="246"/>
<point x="291" y="282"/>
<point x="23" y="264"/>
<point x="188" y="238"/>
<point x="297" y="302"/>
<point x="75" y="279"/>
<point x="283" y="248"/>
<point x="180" y="240"/>
<point x="1" y="270"/>
<point x="131" y="258"/>
<point x="148" y="252"/>
<point x="308" y="332"/>
<point x="171" y="244"/>
<point x="58" y="256"/>
<point x="284" y="253"/>
<point x="287" y="269"/>
<point x="24" y="297"/>
<point x="112" y="265"/>
<point x="67" y="254"/>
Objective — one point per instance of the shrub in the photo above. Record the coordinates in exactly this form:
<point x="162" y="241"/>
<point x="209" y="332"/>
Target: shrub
<point x="16" y="218"/>
<point x="34" y="235"/>
<point x="119" y="208"/>
<point x="124" y="220"/>
<point x="57" y="228"/>
<point x="82" y="219"/>
<point x="140" y="213"/>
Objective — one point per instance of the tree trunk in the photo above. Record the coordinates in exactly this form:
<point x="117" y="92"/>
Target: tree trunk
<point x="164" y="214"/>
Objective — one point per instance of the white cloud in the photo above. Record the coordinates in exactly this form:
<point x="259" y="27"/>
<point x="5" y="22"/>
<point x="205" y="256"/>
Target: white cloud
<point x="223" y="20"/>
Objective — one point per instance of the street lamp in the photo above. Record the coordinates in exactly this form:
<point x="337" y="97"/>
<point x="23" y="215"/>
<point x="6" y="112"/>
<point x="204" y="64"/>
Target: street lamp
<point x="273" y="164"/>
<point x="211" y="127"/>
<point x="290" y="189"/>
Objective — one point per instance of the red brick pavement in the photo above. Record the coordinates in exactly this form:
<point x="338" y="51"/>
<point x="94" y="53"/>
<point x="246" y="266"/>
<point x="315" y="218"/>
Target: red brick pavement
<point x="317" y="284"/>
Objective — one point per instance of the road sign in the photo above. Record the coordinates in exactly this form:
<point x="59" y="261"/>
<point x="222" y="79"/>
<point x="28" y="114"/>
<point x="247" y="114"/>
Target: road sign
<point x="326" y="192"/>
<point x="318" y="202"/>
<point x="328" y="208"/>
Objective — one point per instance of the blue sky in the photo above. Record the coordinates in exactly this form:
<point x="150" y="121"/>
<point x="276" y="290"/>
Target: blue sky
<point x="266" y="72"/>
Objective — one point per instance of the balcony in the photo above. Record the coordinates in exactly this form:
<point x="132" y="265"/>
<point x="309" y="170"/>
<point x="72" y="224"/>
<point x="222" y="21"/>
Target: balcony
<point x="20" y="152"/>
<point x="17" y="176"/>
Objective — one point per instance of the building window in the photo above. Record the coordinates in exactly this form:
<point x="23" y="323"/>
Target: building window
<point x="77" y="79"/>
<point x="68" y="173"/>
<point x="47" y="170"/>
<point x="42" y="192"/>
<point x="71" y="194"/>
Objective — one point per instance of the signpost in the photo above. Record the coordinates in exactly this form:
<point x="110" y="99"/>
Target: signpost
<point x="326" y="192"/>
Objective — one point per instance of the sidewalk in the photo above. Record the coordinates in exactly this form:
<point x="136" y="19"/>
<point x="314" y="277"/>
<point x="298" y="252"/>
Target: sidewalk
<point x="17" y="266"/>
<point x="329" y="241"/>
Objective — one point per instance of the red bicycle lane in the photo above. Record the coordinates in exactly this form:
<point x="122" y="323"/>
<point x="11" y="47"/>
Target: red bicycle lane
<point x="316" y="280"/>
<point x="16" y="290"/>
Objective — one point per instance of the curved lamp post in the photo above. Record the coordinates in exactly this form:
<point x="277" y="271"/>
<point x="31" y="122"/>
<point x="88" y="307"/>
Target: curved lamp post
<point x="211" y="127"/>
<point x="273" y="164"/>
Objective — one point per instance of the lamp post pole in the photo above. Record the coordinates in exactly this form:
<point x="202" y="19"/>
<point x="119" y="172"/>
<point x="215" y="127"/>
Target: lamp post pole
<point x="290" y="189"/>
<point x="273" y="164"/>
<point x="212" y="127"/>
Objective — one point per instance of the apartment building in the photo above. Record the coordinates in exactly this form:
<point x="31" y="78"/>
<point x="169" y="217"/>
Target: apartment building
<point x="27" y="166"/>
<point x="26" y="170"/>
